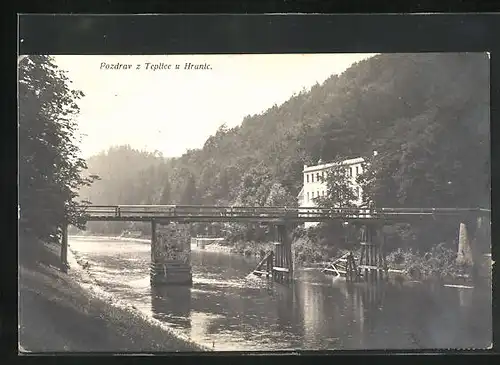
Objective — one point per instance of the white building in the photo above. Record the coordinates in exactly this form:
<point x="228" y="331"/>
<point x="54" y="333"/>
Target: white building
<point x="315" y="185"/>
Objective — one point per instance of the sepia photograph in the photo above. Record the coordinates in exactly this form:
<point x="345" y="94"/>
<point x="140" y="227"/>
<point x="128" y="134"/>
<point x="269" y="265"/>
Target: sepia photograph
<point x="254" y="202"/>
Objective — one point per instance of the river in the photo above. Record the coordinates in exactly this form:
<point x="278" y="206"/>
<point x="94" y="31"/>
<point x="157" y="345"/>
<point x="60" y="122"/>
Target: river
<point x="229" y="310"/>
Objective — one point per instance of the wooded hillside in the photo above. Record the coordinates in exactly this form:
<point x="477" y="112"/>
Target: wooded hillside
<point x="427" y="115"/>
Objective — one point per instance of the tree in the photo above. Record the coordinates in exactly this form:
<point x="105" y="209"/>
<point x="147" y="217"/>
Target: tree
<point x="339" y="188"/>
<point x="166" y="192"/>
<point x="50" y="169"/>
<point x="278" y="196"/>
<point x="189" y="196"/>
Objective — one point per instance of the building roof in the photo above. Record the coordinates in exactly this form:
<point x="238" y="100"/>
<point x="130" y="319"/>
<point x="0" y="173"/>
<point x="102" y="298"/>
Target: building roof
<point x="320" y="167"/>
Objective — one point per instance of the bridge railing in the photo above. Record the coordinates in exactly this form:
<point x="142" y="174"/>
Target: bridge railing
<point x="124" y="211"/>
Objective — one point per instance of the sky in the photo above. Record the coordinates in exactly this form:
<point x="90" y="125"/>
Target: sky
<point x="171" y="110"/>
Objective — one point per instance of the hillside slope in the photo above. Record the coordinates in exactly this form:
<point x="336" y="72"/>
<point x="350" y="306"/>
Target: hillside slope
<point x="423" y="113"/>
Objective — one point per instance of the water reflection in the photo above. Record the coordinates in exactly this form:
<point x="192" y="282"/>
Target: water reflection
<point x="172" y="304"/>
<point x="228" y="309"/>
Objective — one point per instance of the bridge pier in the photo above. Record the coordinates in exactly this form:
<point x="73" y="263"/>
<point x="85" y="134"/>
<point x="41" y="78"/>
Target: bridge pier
<point x="283" y="262"/>
<point x="170" y="254"/>
<point x="473" y="240"/>
<point x="372" y="263"/>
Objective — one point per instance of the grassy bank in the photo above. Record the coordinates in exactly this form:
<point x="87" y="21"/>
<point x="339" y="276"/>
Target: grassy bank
<point x="57" y="314"/>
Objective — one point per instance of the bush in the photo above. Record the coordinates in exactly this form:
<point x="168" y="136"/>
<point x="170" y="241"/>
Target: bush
<point x="310" y="251"/>
<point x="439" y="263"/>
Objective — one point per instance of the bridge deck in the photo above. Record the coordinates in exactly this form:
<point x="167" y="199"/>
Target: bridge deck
<point x="191" y="213"/>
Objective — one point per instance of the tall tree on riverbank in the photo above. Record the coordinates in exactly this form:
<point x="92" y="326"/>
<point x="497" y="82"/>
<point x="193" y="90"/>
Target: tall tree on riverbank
<point x="50" y="169"/>
<point x="166" y="194"/>
<point x="189" y="196"/>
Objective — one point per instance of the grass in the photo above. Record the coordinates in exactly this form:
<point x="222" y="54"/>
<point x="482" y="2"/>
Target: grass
<point x="57" y="315"/>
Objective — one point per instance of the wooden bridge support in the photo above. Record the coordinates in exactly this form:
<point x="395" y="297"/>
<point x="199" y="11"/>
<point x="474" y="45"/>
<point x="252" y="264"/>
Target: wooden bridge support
<point x="372" y="263"/>
<point x="170" y="254"/>
<point x="268" y="262"/>
<point x="352" y="273"/>
<point x="283" y="261"/>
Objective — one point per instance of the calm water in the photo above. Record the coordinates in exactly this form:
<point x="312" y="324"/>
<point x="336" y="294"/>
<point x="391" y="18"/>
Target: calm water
<point x="228" y="309"/>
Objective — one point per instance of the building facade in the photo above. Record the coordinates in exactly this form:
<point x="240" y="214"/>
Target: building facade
<point x="314" y="184"/>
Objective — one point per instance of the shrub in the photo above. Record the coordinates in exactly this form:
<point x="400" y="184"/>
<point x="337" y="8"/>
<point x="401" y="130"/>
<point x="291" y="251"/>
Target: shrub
<point x="438" y="263"/>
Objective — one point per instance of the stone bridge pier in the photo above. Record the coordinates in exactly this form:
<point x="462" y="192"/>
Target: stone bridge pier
<point x="474" y="242"/>
<point x="170" y="253"/>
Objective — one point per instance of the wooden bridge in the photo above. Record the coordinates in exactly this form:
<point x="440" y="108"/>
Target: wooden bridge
<point x="279" y="263"/>
<point x="276" y="215"/>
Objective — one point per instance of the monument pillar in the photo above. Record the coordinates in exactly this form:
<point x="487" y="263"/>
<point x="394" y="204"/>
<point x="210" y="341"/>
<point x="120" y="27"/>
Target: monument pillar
<point x="170" y="254"/>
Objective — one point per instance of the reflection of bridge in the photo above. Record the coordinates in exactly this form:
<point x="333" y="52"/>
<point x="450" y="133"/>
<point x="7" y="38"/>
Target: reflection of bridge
<point x="281" y="217"/>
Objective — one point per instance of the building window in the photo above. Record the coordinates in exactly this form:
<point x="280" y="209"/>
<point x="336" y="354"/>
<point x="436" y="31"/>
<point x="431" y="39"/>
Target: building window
<point x="350" y="171"/>
<point x="317" y="177"/>
<point x="323" y="175"/>
<point x="307" y="177"/>
<point x="357" y="170"/>
<point x="312" y="177"/>
<point x="307" y="197"/>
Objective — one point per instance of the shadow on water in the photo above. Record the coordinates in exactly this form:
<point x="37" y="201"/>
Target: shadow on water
<point x="172" y="304"/>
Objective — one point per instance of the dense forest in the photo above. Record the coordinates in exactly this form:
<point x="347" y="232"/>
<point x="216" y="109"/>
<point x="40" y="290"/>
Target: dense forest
<point x="427" y="116"/>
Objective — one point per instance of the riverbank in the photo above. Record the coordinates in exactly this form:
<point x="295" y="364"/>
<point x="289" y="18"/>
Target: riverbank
<point x="62" y="312"/>
<point x="110" y="238"/>
<point x="438" y="264"/>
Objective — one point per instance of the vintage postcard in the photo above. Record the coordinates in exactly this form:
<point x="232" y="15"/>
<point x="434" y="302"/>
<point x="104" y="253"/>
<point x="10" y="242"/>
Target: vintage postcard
<point x="254" y="202"/>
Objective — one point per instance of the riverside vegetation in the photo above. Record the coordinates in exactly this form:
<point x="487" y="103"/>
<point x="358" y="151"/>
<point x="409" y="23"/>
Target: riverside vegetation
<point x="314" y="247"/>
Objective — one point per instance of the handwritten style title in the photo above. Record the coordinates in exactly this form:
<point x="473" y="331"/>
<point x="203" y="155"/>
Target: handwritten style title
<point x="155" y="66"/>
